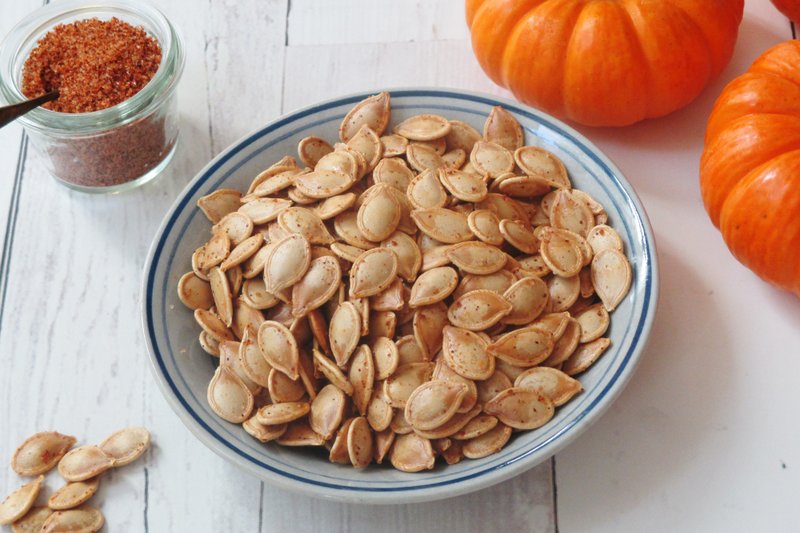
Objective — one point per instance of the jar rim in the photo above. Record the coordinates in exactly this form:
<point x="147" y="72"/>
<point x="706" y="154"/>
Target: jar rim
<point x="42" y="20"/>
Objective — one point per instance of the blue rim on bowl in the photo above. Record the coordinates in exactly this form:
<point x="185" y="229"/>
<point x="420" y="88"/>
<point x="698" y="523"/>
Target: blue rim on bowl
<point x="180" y="367"/>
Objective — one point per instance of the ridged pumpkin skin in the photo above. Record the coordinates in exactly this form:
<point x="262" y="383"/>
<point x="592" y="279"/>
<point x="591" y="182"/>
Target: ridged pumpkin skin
<point x="750" y="169"/>
<point x="604" y="62"/>
<point x="790" y="8"/>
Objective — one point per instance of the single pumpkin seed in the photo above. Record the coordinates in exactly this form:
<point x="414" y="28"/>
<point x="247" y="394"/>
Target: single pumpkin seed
<point x="359" y="443"/>
<point x="194" y="292"/>
<point x="399" y="424"/>
<point x="261" y="432"/>
<point x="282" y="413"/>
<point x="462" y="136"/>
<point x="40" y="452"/>
<point x="236" y="226"/>
<point x="212" y="325"/>
<point x="423" y="127"/>
<point x="553" y="383"/>
<point x="332" y="372"/>
<point x="323" y="183"/>
<point x="327" y="411"/>
<point x="561" y="255"/>
<point x="603" y="237"/>
<point x="372" y="272"/>
<point x="425" y="191"/>
<point x="453" y="425"/>
<point x="535" y="161"/>
<point x="242" y="252"/>
<point x="311" y="149"/>
<point x="287" y="263"/>
<point x="228" y="396"/>
<point x="221" y="292"/>
<point x="442" y="371"/>
<point x="394" y="145"/>
<point x="444" y="225"/>
<point x="209" y="344"/>
<point x="570" y="213"/>
<point x="126" y="445"/>
<point x="524" y="186"/>
<point x="594" y="322"/>
<point x="454" y="159"/>
<point x="476" y="257"/>
<point x="84" y="462"/>
<point x="343" y="162"/>
<point x="521" y="408"/>
<point x="338" y="451"/>
<point x="478" y="310"/>
<point x="498" y="282"/>
<point x="244" y="316"/>
<point x="263" y="210"/>
<point x="83" y="519"/>
<point x="319" y="284"/>
<point x="504" y="207"/>
<point x="465" y="352"/>
<point x="422" y="157"/>
<point x="490" y="442"/>
<point x="373" y="111"/>
<point x="19" y="502"/>
<point x="368" y="144"/>
<point x="465" y="186"/>
<point x="435" y="258"/>
<point x="73" y="494"/>
<point x="251" y="360"/>
<point x="611" y="277"/>
<point x="523" y="347"/>
<point x="502" y="128"/>
<point x="433" y="403"/>
<point x="393" y="171"/>
<point x="379" y="412"/>
<point x="477" y="426"/>
<point x="211" y="254"/>
<point x="485" y="225"/>
<point x="219" y="203"/>
<point x="427" y="325"/>
<point x="362" y="377"/>
<point x="585" y="356"/>
<point x="255" y="294"/>
<point x="528" y="297"/>
<point x="299" y="433"/>
<point x="412" y="453"/>
<point x="433" y="286"/>
<point x="520" y="236"/>
<point x="379" y="215"/>
<point x="383" y="443"/>
<point x="274" y="179"/>
<point x="409" y="351"/>
<point x="390" y="299"/>
<point x="304" y="222"/>
<point x="279" y="348"/>
<point x="491" y="159"/>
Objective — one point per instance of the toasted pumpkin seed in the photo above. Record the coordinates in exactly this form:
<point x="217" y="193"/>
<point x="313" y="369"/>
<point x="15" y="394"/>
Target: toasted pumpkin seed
<point x="412" y="453"/>
<point x="463" y="185"/>
<point x="194" y="292"/>
<point x="498" y="282"/>
<point x="338" y="450"/>
<point x="284" y="389"/>
<point x="362" y="377"/>
<point x="372" y="272"/>
<point x="433" y="403"/>
<point x="585" y="356"/>
<point x="299" y="433"/>
<point x="553" y="383"/>
<point x="391" y="299"/>
<point x="40" y="452"/>
<point x="73" y="494"/>
<point x="602" y="237"/>
<point x="433" y="286"/>
<point x="453" y="425"/>
<point x="126" y="445"/>
<point x="476" y="257"/>
<point x="502" y="128"/>
<point x="521" y="408"/>
<point x="465" y="352"/>
<point x="221" y="292"/>
<point x="279" y="348"/>
<point x="497" y="382"/>
<point x="219" y="203"/>
<point x="211" y="254"/>
<point x="444" y="225"/>
<point x="394" y="145"/>
<point x="611" y="277"/>
<point x="537" y="162"/>
<point x="83" y="519"/>
<point x="485" y="225"/>
<point x="236" y="226"/>
<point x="319" y="284"/>
<point x="311" y="149"/>
<point x="261" y="432"/>
<point x="84" y="462"/>
<point x="427" y="326"/>
<point x="524" y="347"/>
<point x="228" y="396"/>
<point x="332" y="372"/>
<point x="569" y="212"/>
<point x="425" y="191"/>
<point x="422" y="157"/>
<point x="594" y="321"/>
<point x="398" y="387"/>
<point x="373" y="112"/>
<point x="478" y="310"/>
<point x="488" y="443"/>
<point x="19" y="502"/>
<point x="528" y="298"/>
<point x="491" y="159"/>
<point x="379" y="215"/>
<point x="442" y="371"/>
<point x="393" y="171"/>
<point x="212" y="325"/>
<point x="287" y="262"/>
<point x="359" y="443"/>
<point x="327" y="411"/>
<point x="282" y="413"/>
<point x="477" y="426"/>
<point x="323" y="183"/>
<point x="367" y="143"/>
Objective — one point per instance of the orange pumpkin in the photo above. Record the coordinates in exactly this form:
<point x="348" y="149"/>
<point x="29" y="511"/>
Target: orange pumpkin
<point x="604" y="62"/>
<point x="750" y="169"/>
<point x="790" y="8"/>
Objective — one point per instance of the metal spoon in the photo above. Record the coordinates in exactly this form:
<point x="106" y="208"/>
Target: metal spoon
<point x="12" y="112"/>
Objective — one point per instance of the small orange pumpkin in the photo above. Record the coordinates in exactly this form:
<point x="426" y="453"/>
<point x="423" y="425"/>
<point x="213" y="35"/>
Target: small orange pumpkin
<point x="790" y="8"/>
<point x="604" y="62"/>
<point x="750" y="169"/>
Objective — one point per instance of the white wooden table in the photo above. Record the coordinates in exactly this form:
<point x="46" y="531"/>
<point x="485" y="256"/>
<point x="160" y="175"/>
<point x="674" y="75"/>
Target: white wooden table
<point x="705" y="438"/>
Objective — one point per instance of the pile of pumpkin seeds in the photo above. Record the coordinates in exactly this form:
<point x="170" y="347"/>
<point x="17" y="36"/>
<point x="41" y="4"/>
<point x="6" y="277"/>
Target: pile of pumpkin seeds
<point x="409" y="295"/>
<point x="80" y="467"/>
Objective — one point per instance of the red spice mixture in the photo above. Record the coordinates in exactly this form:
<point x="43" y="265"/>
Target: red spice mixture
<point x="94" y="64"/>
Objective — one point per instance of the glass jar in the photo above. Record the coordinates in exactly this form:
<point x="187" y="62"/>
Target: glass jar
<point x="112" y="149"/>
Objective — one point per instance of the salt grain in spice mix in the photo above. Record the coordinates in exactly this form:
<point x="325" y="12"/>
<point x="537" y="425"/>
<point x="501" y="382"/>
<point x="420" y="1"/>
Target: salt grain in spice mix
<point x="114" y="125"/>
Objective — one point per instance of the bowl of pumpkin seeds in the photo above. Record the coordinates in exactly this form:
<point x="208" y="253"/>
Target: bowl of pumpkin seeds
<point x="399" y="296"/>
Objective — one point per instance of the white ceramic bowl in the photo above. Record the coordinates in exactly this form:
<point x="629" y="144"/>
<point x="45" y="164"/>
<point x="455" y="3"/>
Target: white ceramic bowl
<point x="183" y="370"/>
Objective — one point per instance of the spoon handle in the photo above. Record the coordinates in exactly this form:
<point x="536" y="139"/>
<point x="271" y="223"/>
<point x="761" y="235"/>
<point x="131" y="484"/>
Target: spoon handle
<point x="11" y="112"/>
